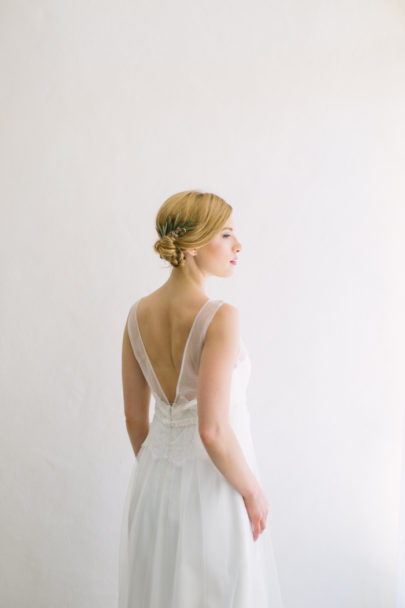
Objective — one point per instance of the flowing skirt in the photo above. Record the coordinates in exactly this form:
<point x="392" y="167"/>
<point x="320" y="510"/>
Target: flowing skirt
<point x="186" y="538"/>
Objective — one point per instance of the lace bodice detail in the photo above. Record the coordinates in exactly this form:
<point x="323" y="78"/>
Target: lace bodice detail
<point x="173" y="433"/>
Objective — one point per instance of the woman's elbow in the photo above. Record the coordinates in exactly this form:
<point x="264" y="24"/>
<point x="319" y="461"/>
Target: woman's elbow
<point x="212" y="433"/>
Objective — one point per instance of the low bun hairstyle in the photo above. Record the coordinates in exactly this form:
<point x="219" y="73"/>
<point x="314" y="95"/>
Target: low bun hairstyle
<point x="206" y="211"/>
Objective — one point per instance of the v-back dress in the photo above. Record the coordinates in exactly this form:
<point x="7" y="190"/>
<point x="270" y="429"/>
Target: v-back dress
<point x="186" y="538"/>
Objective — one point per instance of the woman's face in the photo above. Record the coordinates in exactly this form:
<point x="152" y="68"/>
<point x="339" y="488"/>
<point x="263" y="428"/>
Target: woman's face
<point x="217" y="257"/>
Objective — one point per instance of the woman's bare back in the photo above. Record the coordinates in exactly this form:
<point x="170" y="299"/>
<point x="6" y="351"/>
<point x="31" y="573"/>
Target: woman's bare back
<point x="165" y="323"/>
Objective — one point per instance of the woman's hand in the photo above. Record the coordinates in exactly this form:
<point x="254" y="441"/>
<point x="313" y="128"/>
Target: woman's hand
<point x="257" y="508"/>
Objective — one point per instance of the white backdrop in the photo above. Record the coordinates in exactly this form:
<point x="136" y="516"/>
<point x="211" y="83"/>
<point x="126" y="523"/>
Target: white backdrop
<point x="293" y="112"/>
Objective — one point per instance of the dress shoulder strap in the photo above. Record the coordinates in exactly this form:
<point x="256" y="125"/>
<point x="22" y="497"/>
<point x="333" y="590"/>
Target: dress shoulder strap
<point x="198" y="337"/>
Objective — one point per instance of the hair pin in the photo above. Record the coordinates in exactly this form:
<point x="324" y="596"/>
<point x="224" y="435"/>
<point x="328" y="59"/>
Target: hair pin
<point x="174" y="229"/>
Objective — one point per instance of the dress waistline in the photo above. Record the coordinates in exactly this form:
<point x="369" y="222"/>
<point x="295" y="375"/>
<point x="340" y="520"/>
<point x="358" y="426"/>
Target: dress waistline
<point x="180" y="414"/>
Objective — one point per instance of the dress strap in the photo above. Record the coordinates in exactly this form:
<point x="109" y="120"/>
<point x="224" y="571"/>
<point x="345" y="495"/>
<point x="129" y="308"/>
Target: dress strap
<point x="200" y="333"/>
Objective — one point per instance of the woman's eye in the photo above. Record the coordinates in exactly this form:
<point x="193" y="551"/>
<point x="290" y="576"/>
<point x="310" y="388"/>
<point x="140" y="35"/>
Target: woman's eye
<point x="227" y="235"/>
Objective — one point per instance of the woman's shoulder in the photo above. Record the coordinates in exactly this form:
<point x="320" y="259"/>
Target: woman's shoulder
<point x="225" y="319"/>
<point x="223" y="332"/>
<point x="227" y="309"/>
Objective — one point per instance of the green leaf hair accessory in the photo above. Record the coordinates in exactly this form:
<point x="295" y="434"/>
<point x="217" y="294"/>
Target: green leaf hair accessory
<point x="174" y="229"/>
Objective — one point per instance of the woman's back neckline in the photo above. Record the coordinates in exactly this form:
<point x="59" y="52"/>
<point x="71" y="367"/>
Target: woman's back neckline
<point x="147" y="349"/>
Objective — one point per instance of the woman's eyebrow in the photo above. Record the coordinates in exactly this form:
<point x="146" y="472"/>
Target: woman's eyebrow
<point x="227" y="228"/>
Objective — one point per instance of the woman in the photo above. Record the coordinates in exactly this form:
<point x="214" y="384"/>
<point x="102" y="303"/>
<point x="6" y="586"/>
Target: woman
<point x="195" y="512"/>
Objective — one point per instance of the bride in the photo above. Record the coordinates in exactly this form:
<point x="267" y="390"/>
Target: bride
<point x="195" y="514"/>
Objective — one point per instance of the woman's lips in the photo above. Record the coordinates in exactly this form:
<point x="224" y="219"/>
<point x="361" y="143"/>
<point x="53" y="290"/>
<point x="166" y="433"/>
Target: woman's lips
<point x="234" y="262"/>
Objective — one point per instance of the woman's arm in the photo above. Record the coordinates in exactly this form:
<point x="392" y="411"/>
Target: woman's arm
<point x="137" y="393"/>
<point x="218" y="358"/>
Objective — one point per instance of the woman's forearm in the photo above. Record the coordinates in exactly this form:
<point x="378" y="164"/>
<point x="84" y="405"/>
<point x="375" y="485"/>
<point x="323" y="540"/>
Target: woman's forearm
<point x="225" y="451"/>
<point x="137" y="433"/>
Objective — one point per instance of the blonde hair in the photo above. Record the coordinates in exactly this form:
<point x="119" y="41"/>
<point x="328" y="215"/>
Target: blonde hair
<point x="207" y="212"/>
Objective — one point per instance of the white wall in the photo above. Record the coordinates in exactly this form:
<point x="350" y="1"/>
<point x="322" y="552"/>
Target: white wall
<point x="293" y="112"/>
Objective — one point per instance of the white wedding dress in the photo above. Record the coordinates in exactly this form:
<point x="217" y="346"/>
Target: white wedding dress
<point x="186" y="538"/>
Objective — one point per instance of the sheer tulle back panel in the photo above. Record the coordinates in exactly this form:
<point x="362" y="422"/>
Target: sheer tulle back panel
<point x="187" y="381"/>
